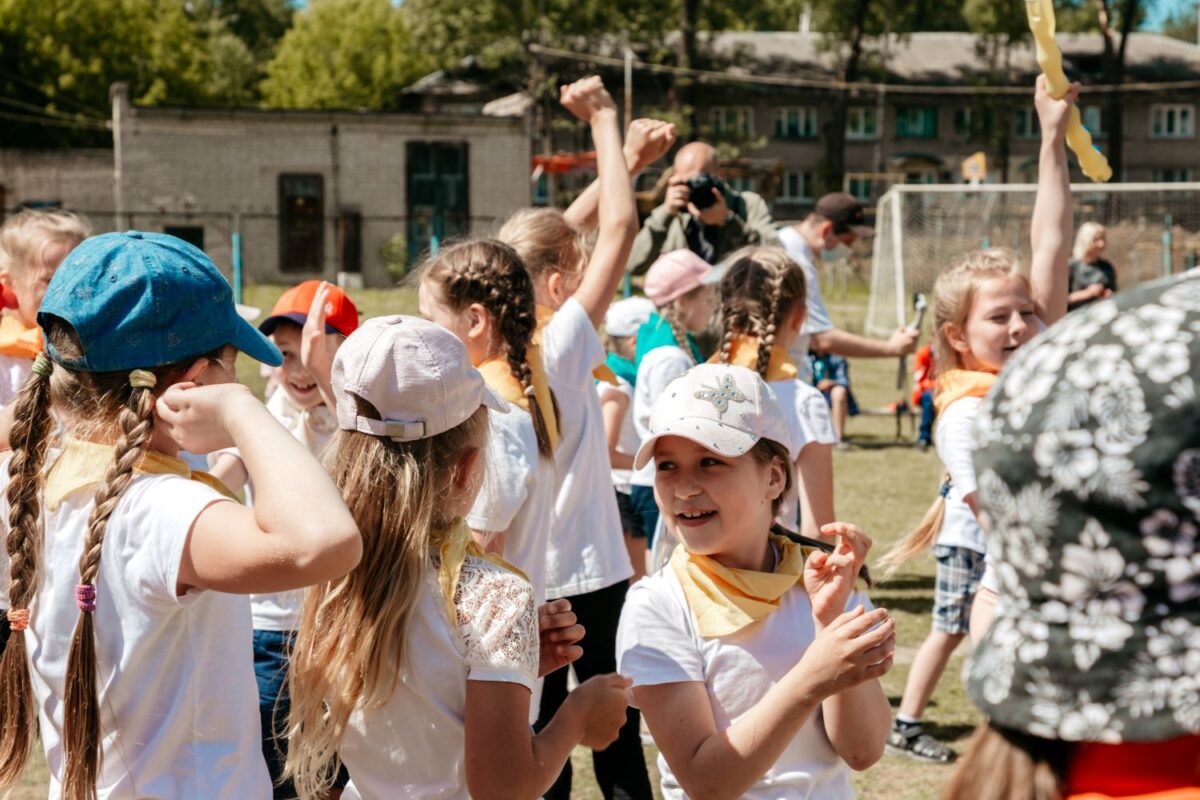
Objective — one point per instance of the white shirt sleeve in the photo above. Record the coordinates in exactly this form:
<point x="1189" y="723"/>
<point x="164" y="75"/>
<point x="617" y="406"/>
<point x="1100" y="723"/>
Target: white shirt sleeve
<point x="571" y="348"/>
<point x="815" y="425"/>
<point x="955" y="443"/>
<point x="507" y="475"/>
<point x="497" y="623"/>
<point x="818" y="320"/>
<point x="655" y="639"/>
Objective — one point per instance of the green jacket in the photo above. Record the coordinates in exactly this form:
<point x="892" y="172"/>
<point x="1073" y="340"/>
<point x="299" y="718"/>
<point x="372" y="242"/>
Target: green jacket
<point x="662" y="232"/>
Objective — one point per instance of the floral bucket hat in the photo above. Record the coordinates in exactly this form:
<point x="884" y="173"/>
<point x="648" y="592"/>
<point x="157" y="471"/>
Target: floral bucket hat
<point x="1089" y="481"/>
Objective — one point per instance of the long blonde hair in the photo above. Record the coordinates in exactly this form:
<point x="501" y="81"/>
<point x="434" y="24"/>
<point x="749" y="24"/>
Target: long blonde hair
<point x="1003" y="764"/>
<point x="25" y="236"/>
<point x="953" y="295"/>
<point x="545" y="241"/>
<point x="111" y="408"/>
<point x="761" y="287"/>
<point x="352" y="632"/>
<point x="1084" y="238"/>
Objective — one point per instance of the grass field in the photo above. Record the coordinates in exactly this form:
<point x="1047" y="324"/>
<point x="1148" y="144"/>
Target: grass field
<point x="881" y="484"/>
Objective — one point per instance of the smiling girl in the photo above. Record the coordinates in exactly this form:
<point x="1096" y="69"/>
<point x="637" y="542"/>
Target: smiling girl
<point x="754" y="660"/>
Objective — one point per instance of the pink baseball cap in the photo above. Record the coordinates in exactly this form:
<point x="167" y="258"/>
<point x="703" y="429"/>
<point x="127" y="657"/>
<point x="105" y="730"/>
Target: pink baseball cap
<point x="415" y="373"/>
<point x="676" y="273"/>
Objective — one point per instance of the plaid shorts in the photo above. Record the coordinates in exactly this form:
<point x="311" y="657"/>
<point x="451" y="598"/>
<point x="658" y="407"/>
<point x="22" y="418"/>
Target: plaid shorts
<point x="959" y="570"/>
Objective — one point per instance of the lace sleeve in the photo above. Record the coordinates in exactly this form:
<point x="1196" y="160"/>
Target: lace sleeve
<point x="497" y="623"/>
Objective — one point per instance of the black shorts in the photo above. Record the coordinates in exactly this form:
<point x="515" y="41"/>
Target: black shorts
<point x="631" y="521"/>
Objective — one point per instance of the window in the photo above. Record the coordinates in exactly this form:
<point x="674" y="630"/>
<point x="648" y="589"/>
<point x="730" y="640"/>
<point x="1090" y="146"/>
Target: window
<point x="1093" y="120"/>
<point x="972" y="123"/>
<point x="733" y="121"/>
<point x="301" y="223"/>
<point x="1176" y="175"/>
<point x="192" y="234"/>
<point x="860" y="188"/>
<point x="795" y="123"/>
<point x="437" y="194"/>
<point x="796" y="186"/>
<point x="1025" y="124"/>
<point x="1171" y="122"/>
<point x="861" y="123"/>
<point x="916" y="123"/>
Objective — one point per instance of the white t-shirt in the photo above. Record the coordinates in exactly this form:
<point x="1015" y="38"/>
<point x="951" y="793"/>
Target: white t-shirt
<point x="818" y="320"/>
<point x="587" y="550"/>
<point x="954" y="438"/>
<point x="13" y="372"/>
<point x="657" y="369"/>
<point x="176" y="680"/>
<point x="627" y="439"/>
<point x="517" y="495"/>
<point x="808" y="422"/>
<point x="657" y="643"/>
<point x="413" y="745"/>
<point x="314" y="428"/>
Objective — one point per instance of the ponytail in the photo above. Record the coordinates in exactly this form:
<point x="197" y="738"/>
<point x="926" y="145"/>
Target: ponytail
<point x="921" y="538"/>
<point x="1004" y="764"/>
<point x="30" y="438"/>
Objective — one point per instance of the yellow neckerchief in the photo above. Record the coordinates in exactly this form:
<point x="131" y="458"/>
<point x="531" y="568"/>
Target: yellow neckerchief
<point x="453" y="545"/>
<point x="497" y="374"/>
<point x="956" y="384"/>
<point x="85" y="463"/>
<point x="18" y="340"/>
<point x="725" y="600"/>
<point x="744" y="353"/>
<point x="600" y="373"/>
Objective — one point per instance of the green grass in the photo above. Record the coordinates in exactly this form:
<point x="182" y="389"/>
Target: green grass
<point x="882" y="485"/>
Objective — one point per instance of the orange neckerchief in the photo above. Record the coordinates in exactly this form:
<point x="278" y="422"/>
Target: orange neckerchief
<point x="1106" y="771"/>
<point x="600" y="373"/>
<point x="956" y="384"/>
<point x="497" y="374"/>
<point x="453" y="545"/>
<point x="17" y="340"/>
<point x="744" y="353"/>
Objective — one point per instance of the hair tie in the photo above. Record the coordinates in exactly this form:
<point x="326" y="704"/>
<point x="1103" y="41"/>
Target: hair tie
<point x="18" y="619"/>
<point x="944" y="489"/>
<point x="530" y="391"/>
<point x="85" y="597"/>
<point x="42" y="365"/>
<point x="142" y="379"/>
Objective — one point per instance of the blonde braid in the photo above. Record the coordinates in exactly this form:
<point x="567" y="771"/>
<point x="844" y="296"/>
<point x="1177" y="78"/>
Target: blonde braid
<point x="81" y="707"/>
<point x="771" y="319"/>
<point x="761" y="286"/>
<point x="671" y="315"/>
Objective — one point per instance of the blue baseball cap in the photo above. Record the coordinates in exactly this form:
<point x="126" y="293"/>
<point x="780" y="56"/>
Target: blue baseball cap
<point x="142" y="300"/>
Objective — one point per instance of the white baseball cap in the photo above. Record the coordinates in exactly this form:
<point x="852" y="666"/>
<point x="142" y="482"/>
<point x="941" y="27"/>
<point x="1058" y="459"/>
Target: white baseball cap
<point x="724" y="408"/>
<point x="624" y="317"/>
<point x="415" y="373"/>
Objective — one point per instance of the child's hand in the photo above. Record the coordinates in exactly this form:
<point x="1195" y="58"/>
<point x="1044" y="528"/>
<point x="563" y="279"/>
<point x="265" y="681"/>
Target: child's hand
<point x="1054" y="114"/>
<point x="585" y="97"/>
<point x="601" y="701"/>
<point x="646" y="141"/>
<point x="317" y="347"/>
<point x="560" y="633"/>
<point x="829" y="577"/>
<point x="850" y="650"/>
<point x="197" y="417"/>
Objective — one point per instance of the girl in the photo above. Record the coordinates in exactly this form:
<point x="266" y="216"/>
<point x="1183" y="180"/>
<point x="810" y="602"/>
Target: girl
<point x="762" y="311"/>
<point x="621" y="324"/>
<point x="127" y="631"/>
<point x="587" y="562"/>
<point x="754" y="677"/>
<point x="1092" y="277"/>
<point x="984" y="309"/>
<point x="416" y="668"/>
<point x="681" y="284"/>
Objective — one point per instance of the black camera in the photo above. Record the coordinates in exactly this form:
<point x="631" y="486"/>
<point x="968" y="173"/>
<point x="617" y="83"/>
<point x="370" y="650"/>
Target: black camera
<point x="700" y="190"/>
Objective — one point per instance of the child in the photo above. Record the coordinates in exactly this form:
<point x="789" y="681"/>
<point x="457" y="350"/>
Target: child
<point x="762" y="312"/>
<point x="621" y="324"/>
<point x="32" y="245"/>
<point x="588" y="564"/>
<point x="144" y="684"/>
<point x="1092" y="277"/>
<point x="754" y="660"/>
<point x="925" y="381"/>
<point x="984" y="309"/>
<point x="831" y="376"/>
<point x="682" y="286"/>
<point x="416" y="668"/>
<point x="307" y="324"/>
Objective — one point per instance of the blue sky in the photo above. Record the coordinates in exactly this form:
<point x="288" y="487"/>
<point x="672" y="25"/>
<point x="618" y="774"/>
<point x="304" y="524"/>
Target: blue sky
<point x="1161" y="9"/>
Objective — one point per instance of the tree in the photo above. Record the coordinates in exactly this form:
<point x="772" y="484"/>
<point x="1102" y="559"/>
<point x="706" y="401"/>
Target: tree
<point x="1181" y="23"/>
<point x="260" y="24"/>
<point x="345" y="54"/>
<point x="1116" y="18"/>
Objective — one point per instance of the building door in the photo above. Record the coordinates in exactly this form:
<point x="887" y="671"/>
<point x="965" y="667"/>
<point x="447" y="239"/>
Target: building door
<point x="302" y="223"/>
<point x="437" y="194"/>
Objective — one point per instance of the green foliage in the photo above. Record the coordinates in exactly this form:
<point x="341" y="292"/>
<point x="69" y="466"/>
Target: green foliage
<point x="345" y="54"/>
<point x="1181" y="24"/>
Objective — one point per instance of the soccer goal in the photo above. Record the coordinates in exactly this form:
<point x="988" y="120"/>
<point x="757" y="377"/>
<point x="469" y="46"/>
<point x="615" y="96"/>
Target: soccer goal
<point x="1153" y="229"/>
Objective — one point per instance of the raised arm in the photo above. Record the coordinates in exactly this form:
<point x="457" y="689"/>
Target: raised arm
<point x="1050" y="230"/>
<point x="646" y="141"/>
<point x="588" y="100"/>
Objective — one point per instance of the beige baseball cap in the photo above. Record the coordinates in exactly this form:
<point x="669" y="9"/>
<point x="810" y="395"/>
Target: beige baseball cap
<point x="415" y="373"/>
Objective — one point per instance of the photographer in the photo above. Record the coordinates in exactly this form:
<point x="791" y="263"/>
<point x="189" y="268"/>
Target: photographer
<point x="701" y="214"/>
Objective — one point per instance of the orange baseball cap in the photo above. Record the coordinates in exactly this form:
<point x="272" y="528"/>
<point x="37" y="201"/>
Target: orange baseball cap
<point x="341" y="315"/>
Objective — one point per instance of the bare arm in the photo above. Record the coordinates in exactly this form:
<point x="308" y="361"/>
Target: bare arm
<point x="229" y="470"/>
<point x="646" y="141"/>
<point x="857" y="722"/>
<point x="850" y="345"/>
<point x="614" y="406"/>
<point x="814" y="478"/>
<point x="1050" y="230"/>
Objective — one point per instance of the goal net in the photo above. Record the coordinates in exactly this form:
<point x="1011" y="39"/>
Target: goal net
<point x="1153" y="229"/>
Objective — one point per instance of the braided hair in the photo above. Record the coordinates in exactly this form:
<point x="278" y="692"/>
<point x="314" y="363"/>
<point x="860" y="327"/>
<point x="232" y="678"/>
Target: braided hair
<point x="761" y="287"/>
<point x="490" y="273"/>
